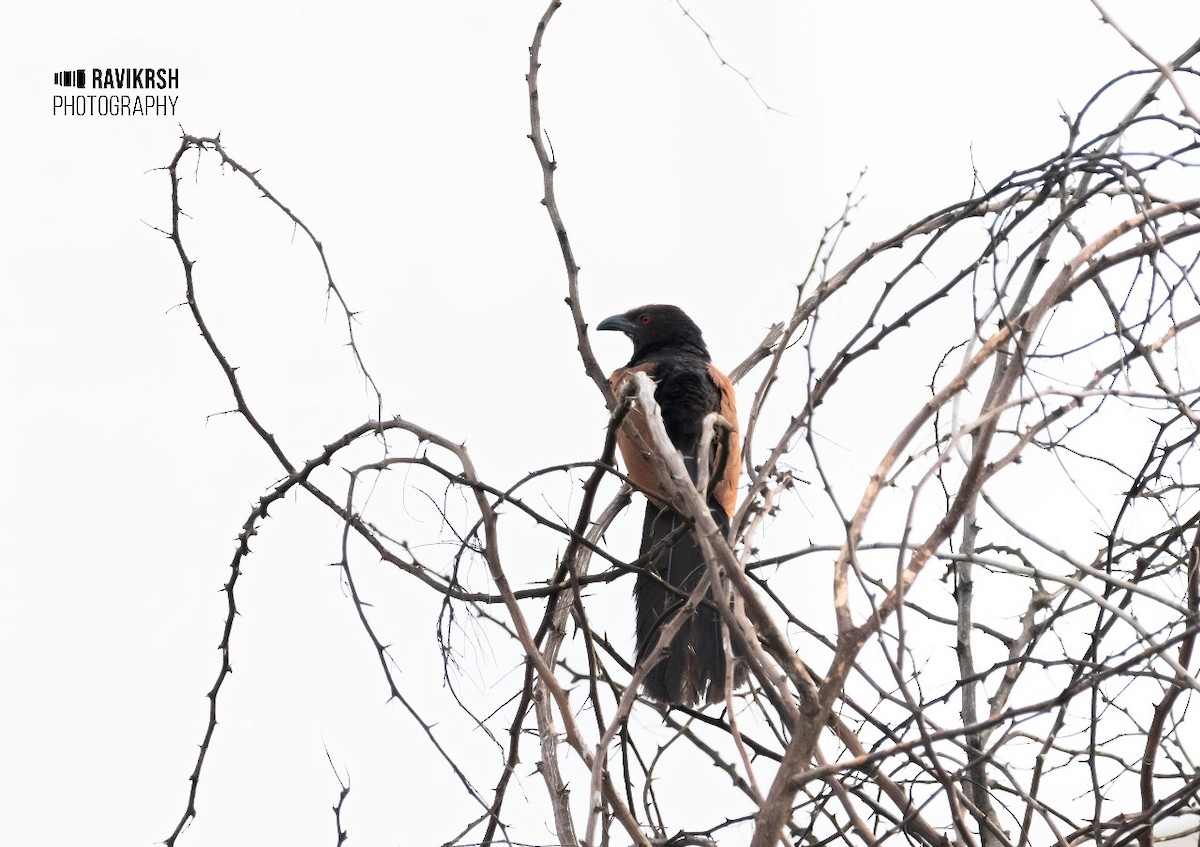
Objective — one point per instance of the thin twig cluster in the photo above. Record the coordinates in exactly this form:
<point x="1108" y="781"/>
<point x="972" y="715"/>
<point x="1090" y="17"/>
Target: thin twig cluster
<point x="984" y="673"/>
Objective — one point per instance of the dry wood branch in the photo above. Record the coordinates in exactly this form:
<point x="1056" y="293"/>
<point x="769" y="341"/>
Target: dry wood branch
<point x="1061" y="298"/>
<point x="549" y="164"/>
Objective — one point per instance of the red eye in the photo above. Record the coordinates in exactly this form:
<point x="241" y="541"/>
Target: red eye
<point x="644" y="320"/>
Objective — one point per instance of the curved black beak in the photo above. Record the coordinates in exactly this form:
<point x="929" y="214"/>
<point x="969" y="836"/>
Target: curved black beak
<point x="617" y="322"/>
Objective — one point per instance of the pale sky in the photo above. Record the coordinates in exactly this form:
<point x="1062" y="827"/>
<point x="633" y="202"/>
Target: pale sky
<point x="398" y="134"/>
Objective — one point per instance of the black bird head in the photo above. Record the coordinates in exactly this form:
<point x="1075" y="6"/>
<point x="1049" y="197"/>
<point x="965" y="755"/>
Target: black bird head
<point x="656" y="327"/>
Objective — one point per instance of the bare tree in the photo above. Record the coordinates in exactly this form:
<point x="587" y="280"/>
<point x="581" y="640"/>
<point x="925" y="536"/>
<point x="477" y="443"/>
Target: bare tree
<point x="1033" y="511"/>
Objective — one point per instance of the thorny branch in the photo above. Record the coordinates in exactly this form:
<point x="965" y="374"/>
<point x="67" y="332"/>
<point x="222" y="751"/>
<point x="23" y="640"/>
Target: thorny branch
<point x="1046" y="473"/>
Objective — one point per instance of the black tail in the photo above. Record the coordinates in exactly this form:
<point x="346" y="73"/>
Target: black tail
<point x="694" y="667"/>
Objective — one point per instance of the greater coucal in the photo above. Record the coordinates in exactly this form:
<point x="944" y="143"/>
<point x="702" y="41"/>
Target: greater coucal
<point x="669" y="348"/>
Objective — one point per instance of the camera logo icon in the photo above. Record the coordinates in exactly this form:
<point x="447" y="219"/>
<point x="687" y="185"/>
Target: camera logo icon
<point x="71" y="79"/>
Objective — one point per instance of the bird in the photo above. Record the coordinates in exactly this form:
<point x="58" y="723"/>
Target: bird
<point x="669" y="347"/>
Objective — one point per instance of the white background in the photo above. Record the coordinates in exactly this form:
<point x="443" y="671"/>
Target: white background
<point x="398" y="135"/>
